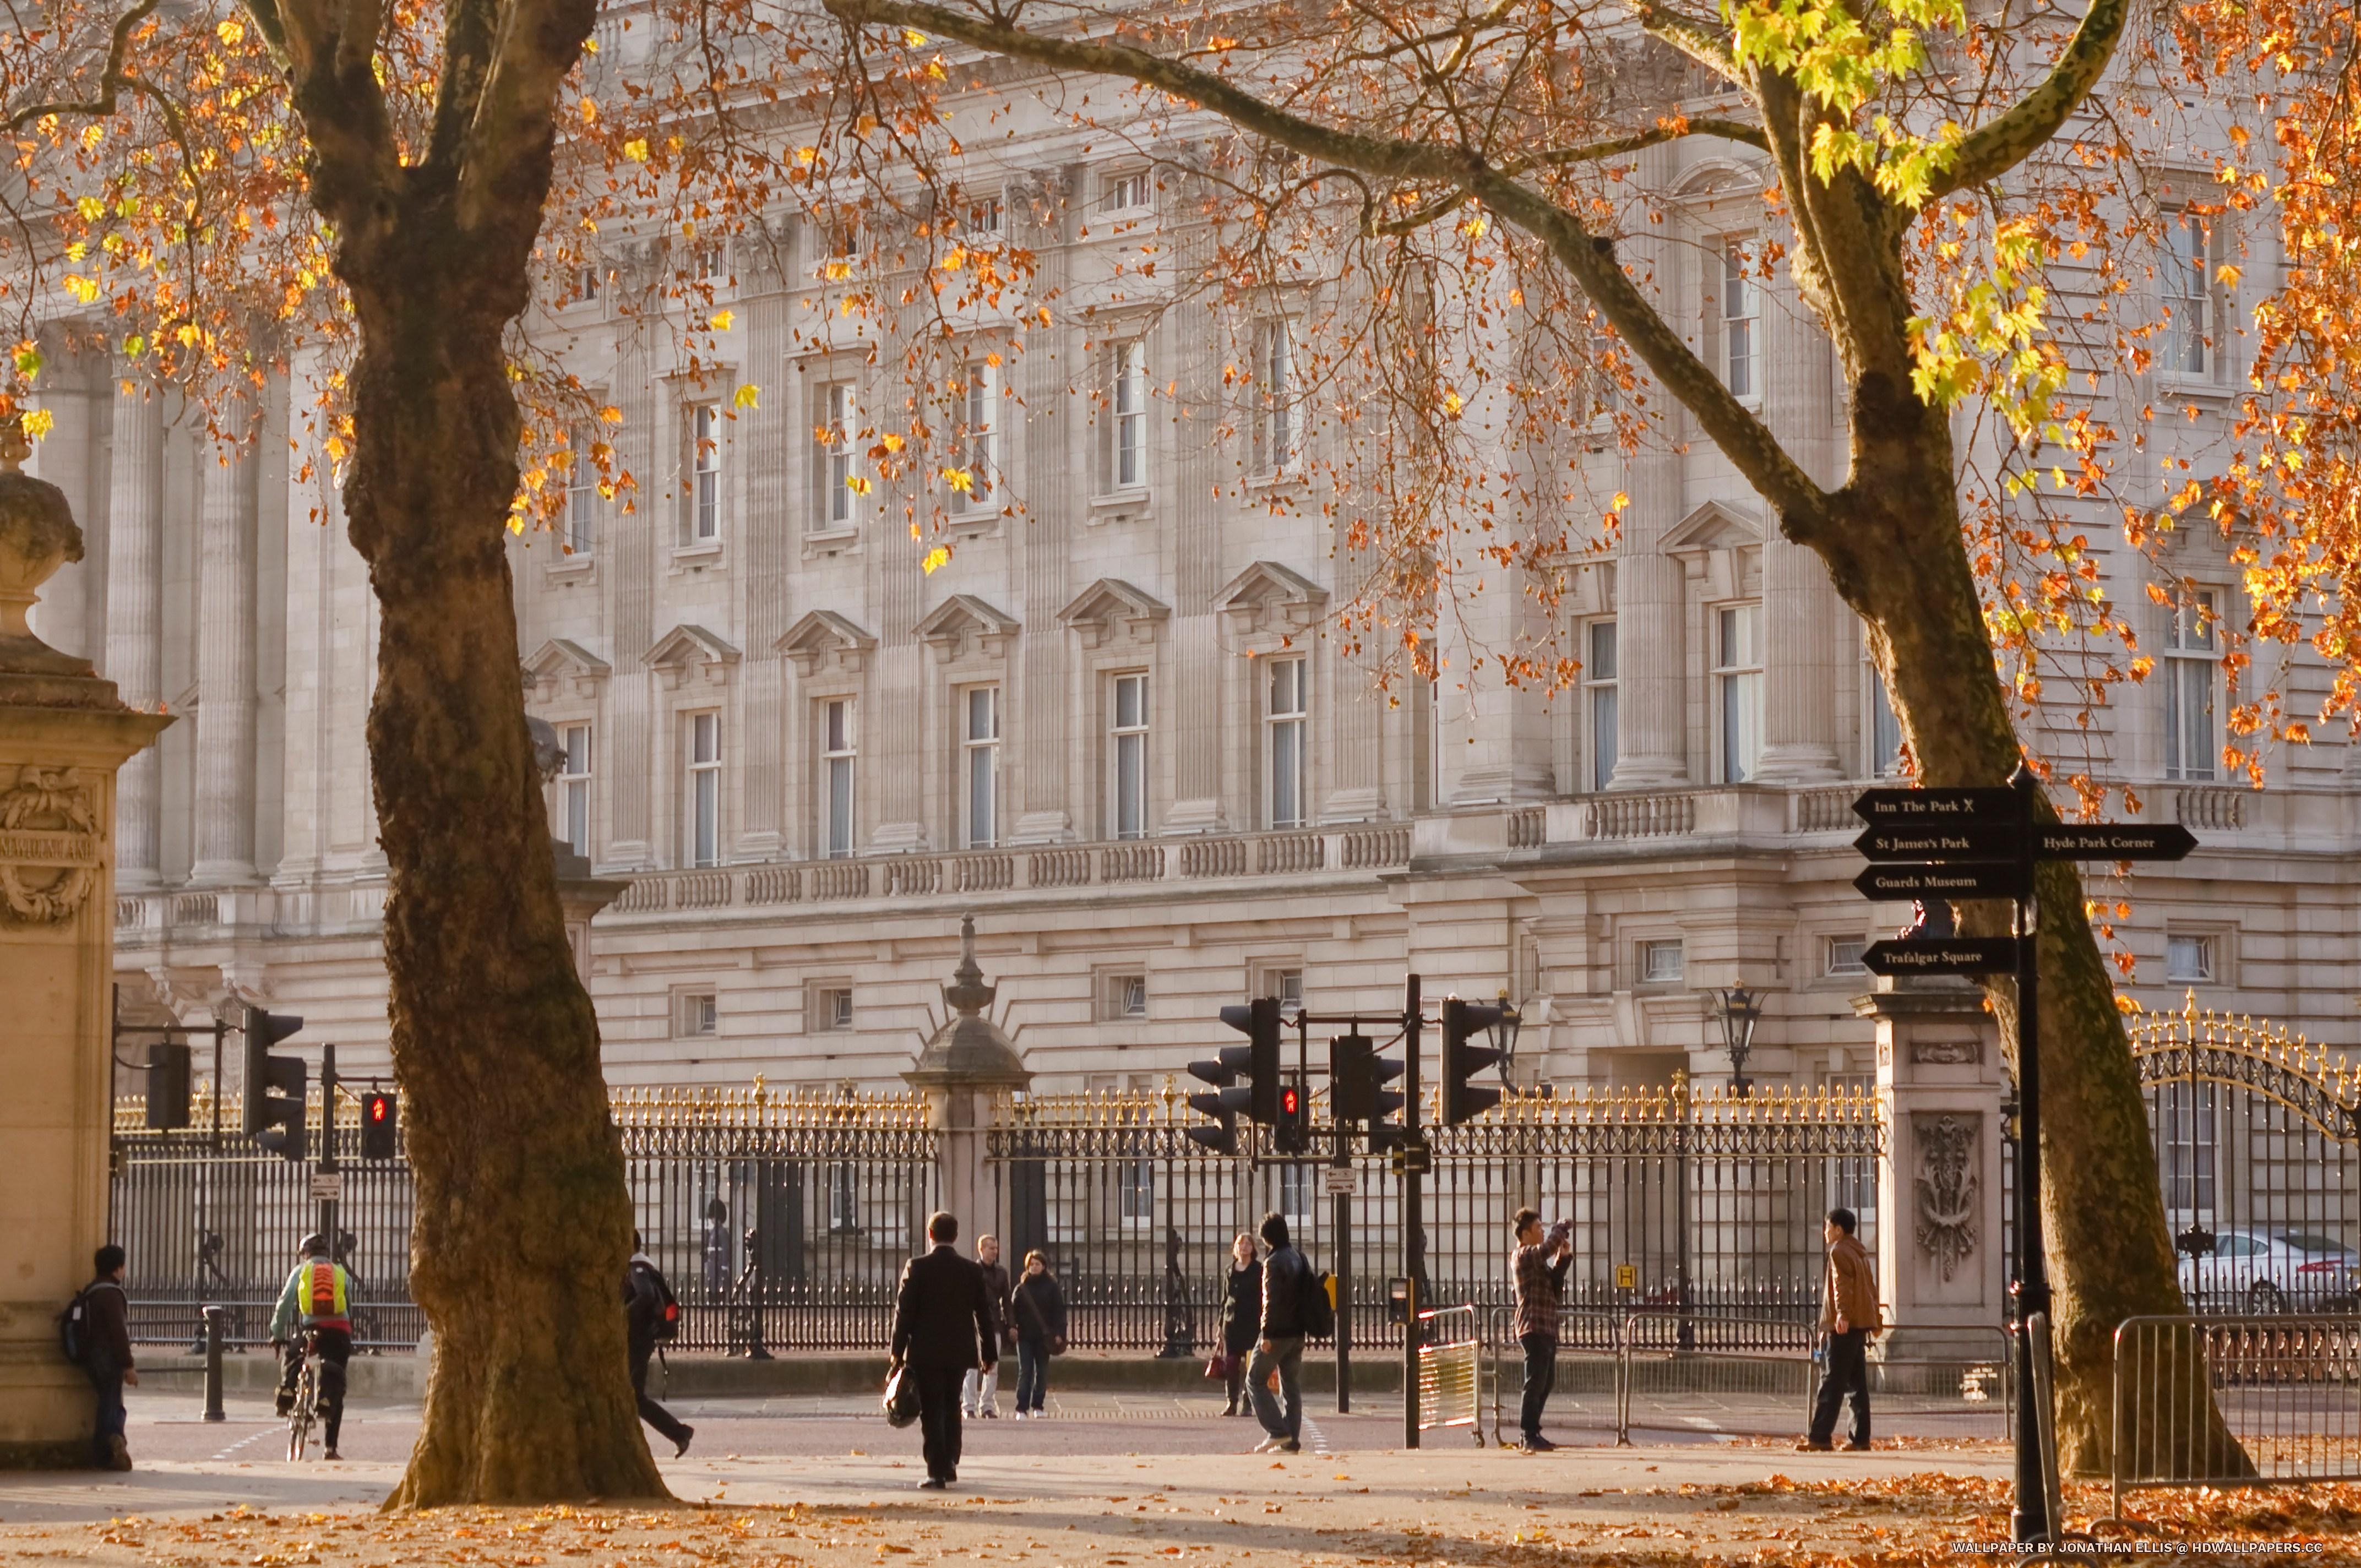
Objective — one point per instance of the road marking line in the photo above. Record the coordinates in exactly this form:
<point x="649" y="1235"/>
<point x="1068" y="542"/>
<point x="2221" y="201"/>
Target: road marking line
<point x="241" y="1442"/>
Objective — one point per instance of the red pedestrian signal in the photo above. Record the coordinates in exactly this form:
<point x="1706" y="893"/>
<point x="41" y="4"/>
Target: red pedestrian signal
<point x="380" y="1122"/>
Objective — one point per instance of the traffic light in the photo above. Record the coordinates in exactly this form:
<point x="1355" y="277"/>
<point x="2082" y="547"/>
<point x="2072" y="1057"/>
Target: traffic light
<point x="1462" y="1061"/>
<point x="1292" y="1133"/>
<point x="274" y="1085"/>
<point x="1224" y="1103"/>
<point x="168" y="1084"/>
<point x="380" y="1124"/>
<point x="1356" y="1081"/>
<point x="1258" y="1022"/>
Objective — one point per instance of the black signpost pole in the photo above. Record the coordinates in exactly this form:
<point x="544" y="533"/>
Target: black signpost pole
<point x="2029" y="1519"/>
<point x="1413" y="1213"/>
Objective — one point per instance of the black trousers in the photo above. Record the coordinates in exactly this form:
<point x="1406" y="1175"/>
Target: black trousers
<point x="939" y="1417"/>
<point x="656" y="1415"/>
<point x="1541" y="1381"/>
<point x="1846" y="1372"/>
<point x="336" y="1350"/>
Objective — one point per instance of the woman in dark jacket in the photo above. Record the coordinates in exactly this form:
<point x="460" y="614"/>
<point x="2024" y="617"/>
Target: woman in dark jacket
<point x="1240" y="1318"/>
<point x="1039" y="1308"/>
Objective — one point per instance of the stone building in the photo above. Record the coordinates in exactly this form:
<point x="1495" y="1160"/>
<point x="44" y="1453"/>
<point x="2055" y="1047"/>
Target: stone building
<point x="1113" y="728"/>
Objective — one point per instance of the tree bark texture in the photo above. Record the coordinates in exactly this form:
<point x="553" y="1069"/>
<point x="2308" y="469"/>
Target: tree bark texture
<point x="523" y="1221"/>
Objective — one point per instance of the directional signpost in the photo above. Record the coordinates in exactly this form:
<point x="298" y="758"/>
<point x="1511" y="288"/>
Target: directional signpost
<point x="1983" y="843"/>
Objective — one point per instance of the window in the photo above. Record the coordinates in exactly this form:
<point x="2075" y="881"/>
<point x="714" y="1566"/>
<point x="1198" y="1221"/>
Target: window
<point x="836" y="777"/>
<point x="1660" y="963"/>
<point x="1738" y="683"/>
<point x="708" y="264"/>
<point x="985" y="220"/>
<point x="1123" y="996"/>
<point x="1598" y="688"/>
<point x="833" y="1008"/>
<point x="2189" y="958"/>
<point x="844" y="1200"/>
<point x="1742" y="311"/>
<point x="978" y="451"/>
<point x="1286" y="986"/>
<point x="1884" y="730"/>
<point x="843" y="245"/>
<point x="1127" y="746"/>
<point x="574" y="788"/>
<point x="1287" y="722"/>
<point x="2189" y="297"/>
<point x="1136" y="1192"/>
<point x="980" y="745"/>
<point x="1298" y="1182"/>
<point x="581" y="493"/>
<point x="705" y="474"/>
<point x="1274" y="394"/>
<point x="1125" y="193"/>
<point x="2184" y="1114"/>
<point x="697" y="1013"/>
<point x="834" y="432"/>
<point x="1128" y="395"/>
<point x="588" y="279"/>
<point x="1845" y="956"/>
<point x="704" y="824"/>
<point x="2190" y="662"/>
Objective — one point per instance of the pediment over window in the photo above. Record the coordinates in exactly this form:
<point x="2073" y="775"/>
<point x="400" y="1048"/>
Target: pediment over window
<point x="691" y="653"/>
<point x="562" y="666"/>
<point x="1110" y="608"/>
<point x="1272" y="597"/>
<point x="1713" y="526"/>
<point x="965" y="623"/>
<point x="824" y="637"/>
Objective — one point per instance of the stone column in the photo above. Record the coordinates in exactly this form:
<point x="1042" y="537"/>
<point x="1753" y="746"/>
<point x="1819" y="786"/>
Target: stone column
<point x="225" y="654"/>
<point x="1804" y="622"/>
<point x="63" y="734"/>
<point x="1940" y="1080"/>
<point x="965" y="1071"/>
<point x="135" y="615"/>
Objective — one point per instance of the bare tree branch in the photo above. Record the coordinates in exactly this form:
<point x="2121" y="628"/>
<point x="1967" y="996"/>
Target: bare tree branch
<point x="1992" y="149"/>
<point x="111" y="81"/>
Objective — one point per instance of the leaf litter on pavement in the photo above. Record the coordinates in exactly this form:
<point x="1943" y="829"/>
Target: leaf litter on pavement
<point x="1908" y="1521"/>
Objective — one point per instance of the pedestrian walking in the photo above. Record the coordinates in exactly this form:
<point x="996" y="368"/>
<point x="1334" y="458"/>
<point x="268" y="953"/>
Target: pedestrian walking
<point x="980" y="1390"/>
<point x="1849" y="1320"/>
<point x="942" y="1328"/>
<point x="1539" y="1265"/>
<point x="314" y="1317"/>
<point x="1279" y="1344"/>
<point x="99" y="1339"/>
<point x="1241" y="1320"/>
<point x="1039" y="1309"/>
<point x="651" y="1315"/>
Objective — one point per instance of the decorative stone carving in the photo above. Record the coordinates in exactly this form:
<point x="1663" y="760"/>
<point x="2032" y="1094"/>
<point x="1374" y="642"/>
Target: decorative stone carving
<point x="824" y="636"/>
<point x="1270" y="596"/>
<point x="962" y="623"/>
<point x="50" y="845"/>
<point x="37" y="536"/>
<point x="1947" y="1188"/>
<point x="1947" y="1053"/>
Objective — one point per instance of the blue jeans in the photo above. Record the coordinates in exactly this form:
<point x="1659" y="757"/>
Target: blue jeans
<point x="1287" y="1356"/>
<point x="1032" y="1373"/>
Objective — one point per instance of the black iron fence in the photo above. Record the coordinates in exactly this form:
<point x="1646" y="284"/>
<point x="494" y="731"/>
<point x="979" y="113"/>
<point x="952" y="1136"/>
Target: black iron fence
<point x="1702" y="1206"/>
<point x="782" y="1220"/>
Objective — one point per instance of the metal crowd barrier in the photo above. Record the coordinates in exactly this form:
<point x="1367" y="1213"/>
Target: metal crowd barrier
<point x="2287" y="1390"/>
<point x="1449" y="1366"/>
<point x="1639" y="1354"/>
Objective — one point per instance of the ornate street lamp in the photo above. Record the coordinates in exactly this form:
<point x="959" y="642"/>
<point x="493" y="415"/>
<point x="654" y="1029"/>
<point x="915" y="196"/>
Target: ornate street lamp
<point x="1740" y="1009"/>
<point x="1504" y="1036"/>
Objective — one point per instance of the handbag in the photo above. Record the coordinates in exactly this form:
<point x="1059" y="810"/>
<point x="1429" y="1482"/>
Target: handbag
<point x="901" y="1397"/>
<point x="1220" y="1367"/>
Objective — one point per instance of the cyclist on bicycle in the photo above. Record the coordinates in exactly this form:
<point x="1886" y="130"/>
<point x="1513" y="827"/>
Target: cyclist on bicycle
<point x="315" y="1307"/>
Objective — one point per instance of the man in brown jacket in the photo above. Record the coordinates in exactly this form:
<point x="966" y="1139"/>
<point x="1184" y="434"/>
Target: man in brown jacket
<point x="1849" y="1319"/>
<point x="106" y="1357"/>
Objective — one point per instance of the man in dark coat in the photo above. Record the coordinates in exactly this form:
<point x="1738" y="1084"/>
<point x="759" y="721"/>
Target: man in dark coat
<point x="645" y="1291"/>
<point x="107" y="1358"/>
<point x="943" y="1326"/>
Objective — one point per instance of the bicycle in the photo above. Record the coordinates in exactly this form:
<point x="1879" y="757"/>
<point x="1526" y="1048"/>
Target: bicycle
<point x="304" y="1411"/>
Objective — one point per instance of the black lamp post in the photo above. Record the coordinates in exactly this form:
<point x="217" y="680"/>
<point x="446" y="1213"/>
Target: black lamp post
<point x="1504" y="1038"/>
<point x="1741" y="1010"/>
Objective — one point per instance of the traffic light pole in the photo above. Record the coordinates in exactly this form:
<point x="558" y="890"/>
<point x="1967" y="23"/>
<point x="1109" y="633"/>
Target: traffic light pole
<point x="220" y="1029"/>
<point x="1413" y="1212"/>
<point x="2029" y="1519"/>
<point x="327" y="1165"/>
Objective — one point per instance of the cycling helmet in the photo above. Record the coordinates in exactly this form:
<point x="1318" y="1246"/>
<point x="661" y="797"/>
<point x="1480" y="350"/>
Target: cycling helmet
<point x="314" y="1246"/>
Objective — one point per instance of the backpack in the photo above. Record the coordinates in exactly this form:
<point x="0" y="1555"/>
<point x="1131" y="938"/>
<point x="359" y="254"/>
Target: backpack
<point x="74" y="1326"/>
<point x="666" y="1325"/>
<point x="323" y="1288"/>
<point x="1318" y="1303"/>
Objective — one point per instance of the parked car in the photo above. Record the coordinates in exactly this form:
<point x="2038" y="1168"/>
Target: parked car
<point x="2273" y="1271"/>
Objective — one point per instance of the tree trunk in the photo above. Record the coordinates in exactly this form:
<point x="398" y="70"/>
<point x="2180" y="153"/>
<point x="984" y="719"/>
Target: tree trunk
<point x="1893" y="544"/>
<point x="523" y="1223"/>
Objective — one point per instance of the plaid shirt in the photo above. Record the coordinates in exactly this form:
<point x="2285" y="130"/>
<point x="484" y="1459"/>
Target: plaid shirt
<point x="1539" y="1281"/>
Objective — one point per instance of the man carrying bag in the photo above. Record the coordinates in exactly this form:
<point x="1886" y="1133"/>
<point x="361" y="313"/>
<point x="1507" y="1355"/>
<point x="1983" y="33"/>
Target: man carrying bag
<point x="942" y="1315"/>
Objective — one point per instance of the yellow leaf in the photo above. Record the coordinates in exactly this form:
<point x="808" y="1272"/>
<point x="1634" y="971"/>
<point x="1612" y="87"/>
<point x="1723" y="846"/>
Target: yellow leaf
<point x="590" y="111"/>
<point x="231" y="32"/>
<point x="857" y="484"/>
<point x="914" y="38"/>
<point x="636" y="150"/>
<point x="38" y="422"/>
<point x="610" y="414"/>
<point x="960" y="479"/>
<point x="721" y="320"/>
<point x="747" y="395"/>
<point x="891" y="442"/>
<point x="935" y="559"/>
